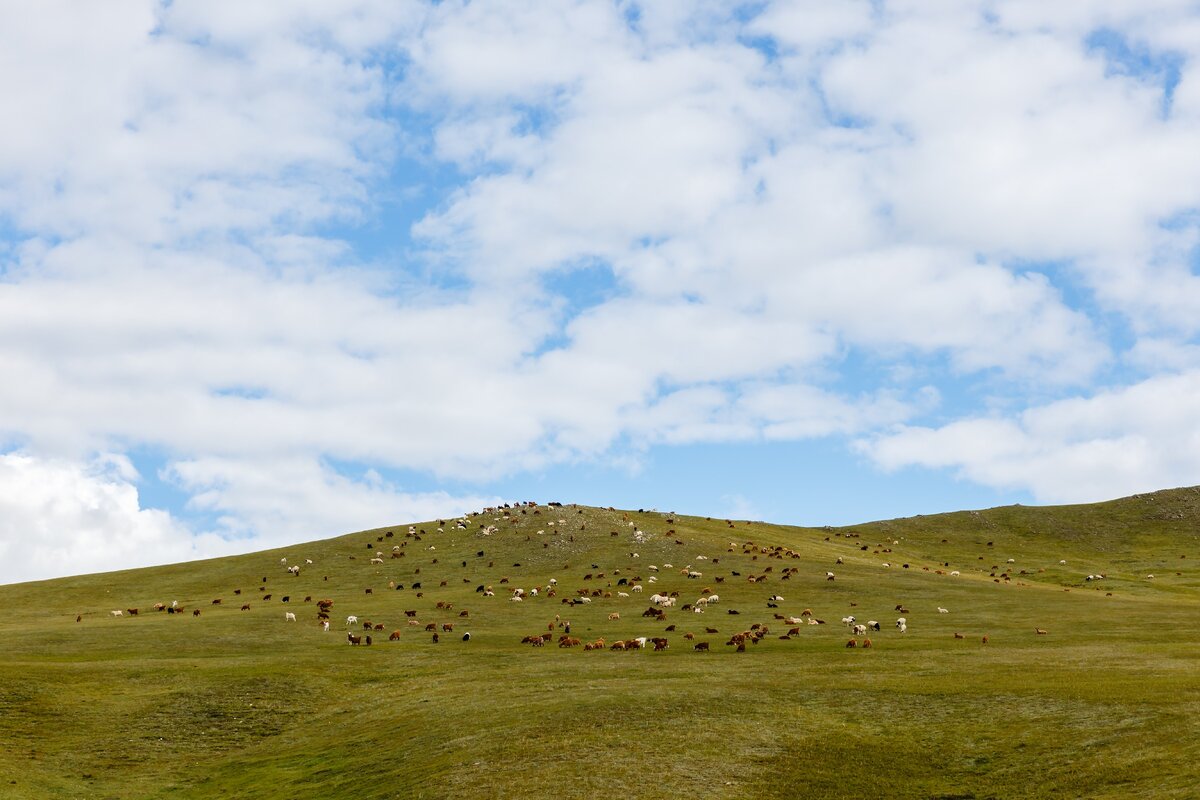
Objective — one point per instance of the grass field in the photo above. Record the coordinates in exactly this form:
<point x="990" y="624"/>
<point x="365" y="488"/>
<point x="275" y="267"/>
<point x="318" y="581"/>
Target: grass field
<point x="243" y="704"/>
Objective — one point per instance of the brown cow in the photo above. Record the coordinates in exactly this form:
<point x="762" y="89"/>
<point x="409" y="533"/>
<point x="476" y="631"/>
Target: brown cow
<point x="217" y="602"/>
<point x="431" y="626"/>
<point x="447" y="627"/>
<point x="852" y="643"/>
<point x="394" y="637"/>
<point x="350" y="637"/>
<point x="245" y="607"/>
<point x="702" y="646"/>
<point x="195" y="612"/>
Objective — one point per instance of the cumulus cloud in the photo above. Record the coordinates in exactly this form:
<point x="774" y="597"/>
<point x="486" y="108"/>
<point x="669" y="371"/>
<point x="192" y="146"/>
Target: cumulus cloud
<point x="993" y="205"/>
<point x="1136" y="438"/>
<point x="60" y="518"/>
<point x="285" y="500"/>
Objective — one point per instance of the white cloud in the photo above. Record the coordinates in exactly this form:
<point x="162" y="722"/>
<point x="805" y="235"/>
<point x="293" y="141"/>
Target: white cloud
<point x="61" y="518"/>
<point x="287" y="500"/>
<point x="932" y="187"/>
<point x="1136" y="438"/>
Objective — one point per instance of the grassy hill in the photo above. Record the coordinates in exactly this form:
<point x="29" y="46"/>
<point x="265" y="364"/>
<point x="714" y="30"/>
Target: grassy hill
<point x="235" y="703"/>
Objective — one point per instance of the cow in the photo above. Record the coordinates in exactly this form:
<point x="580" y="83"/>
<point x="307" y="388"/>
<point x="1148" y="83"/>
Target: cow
<point x="289" y="616"/>
<point x="701" y="646"/>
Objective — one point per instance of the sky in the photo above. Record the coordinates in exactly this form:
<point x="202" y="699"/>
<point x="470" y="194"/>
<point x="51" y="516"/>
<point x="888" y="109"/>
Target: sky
<point x="275" y="272"/>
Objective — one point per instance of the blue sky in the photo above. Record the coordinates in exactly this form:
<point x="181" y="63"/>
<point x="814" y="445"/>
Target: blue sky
<point x="274" y="274"/>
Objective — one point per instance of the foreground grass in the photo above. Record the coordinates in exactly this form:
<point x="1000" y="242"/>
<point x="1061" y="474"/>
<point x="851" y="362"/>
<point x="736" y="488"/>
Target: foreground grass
<point x="243" y="704"/>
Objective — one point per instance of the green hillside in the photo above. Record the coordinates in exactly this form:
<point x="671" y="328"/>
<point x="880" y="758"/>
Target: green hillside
<point x="243" y="703"/>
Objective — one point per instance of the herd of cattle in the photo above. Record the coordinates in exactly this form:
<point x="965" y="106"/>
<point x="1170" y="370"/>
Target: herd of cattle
<point x="614" y="586"/>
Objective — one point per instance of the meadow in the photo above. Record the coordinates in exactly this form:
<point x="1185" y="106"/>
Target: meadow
<point x="242" y="703"/>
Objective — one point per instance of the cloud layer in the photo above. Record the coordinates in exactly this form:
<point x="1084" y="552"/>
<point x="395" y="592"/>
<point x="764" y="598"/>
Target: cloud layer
<point x="474" y="241"/>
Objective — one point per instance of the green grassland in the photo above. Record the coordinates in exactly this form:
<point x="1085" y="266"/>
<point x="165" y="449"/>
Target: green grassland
<point x="244" y="704"/>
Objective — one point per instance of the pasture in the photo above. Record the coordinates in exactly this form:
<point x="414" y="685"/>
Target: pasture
<point x="246" y="703"/>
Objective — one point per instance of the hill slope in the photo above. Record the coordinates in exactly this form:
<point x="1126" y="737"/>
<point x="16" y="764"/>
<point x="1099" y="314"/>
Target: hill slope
<point x="245" y="703"/>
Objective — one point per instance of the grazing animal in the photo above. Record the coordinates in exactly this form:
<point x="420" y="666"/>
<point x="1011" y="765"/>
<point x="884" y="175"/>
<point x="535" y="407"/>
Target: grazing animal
<point x="902" y="624"/>
<point x="701" y="646"/>
<point x="217" y="602"/>
<point x="466" y="637"/>
<point x="325" y="626"/>
<point x="351" y="620"/>
<point x="866" y="643"/>
<point x="245" y="607"/>
<point x="852" y="643"/>
<point x="1040" y="632"/>
<point x="195" y="612"/>
<point x="943" y="610"/>
<point x="958" y="635"/>
<point x="985" y="639"/>
<point x="614" y="615"/>
<point x="117" y="613"/>
<point x="289" y="616"/>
